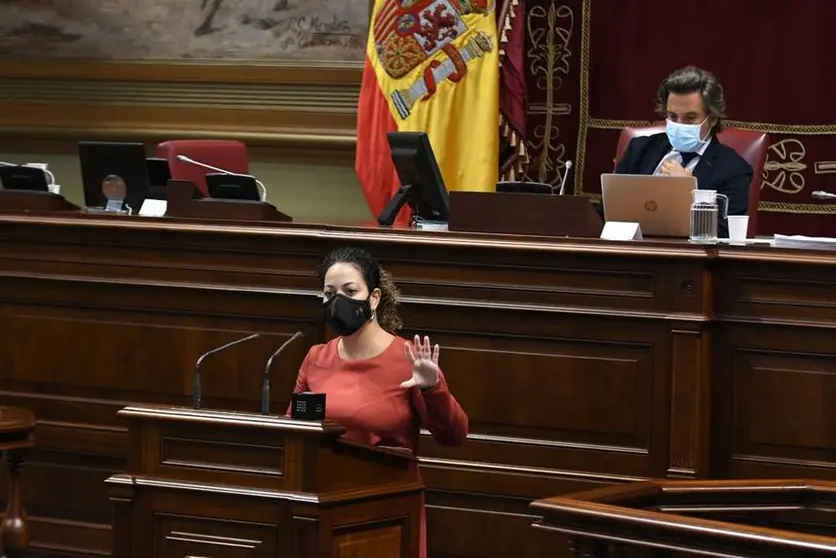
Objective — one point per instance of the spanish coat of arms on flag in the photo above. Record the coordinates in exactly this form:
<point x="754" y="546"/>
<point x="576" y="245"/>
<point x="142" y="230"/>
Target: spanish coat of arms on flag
<point x="431" y="66"/>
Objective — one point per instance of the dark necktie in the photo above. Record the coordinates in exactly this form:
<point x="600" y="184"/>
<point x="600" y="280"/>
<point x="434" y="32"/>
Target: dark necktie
<point x="687" y="158"/>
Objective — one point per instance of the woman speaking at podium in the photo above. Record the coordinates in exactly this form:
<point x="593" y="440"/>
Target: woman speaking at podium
<point x="380" y="387"/>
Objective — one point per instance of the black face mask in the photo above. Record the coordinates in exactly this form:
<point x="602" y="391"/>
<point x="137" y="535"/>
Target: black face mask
<point x="346" y="315"/>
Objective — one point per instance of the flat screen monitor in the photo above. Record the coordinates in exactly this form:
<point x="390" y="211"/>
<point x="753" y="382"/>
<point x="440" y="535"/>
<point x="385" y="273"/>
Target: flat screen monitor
<point x="241" y="187"/>
<point x="23" y="178"/>
<point x="422" y="186"/>
<point x="516" y="187"/>
<point x="159" y="174"/>
<point x="101" y="160"/>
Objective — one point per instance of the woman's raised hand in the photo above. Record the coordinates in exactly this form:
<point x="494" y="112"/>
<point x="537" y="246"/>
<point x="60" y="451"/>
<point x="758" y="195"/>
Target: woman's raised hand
<point x="424" y="360"/>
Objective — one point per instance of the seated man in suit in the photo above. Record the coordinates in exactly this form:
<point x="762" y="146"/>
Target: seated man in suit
<point x="692" y="101"/>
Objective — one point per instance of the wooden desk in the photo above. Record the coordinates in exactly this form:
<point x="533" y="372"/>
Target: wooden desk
<point x="580" y="363"/>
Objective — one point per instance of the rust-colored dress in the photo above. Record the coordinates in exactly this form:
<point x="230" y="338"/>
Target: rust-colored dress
<point x="366" y="398"/>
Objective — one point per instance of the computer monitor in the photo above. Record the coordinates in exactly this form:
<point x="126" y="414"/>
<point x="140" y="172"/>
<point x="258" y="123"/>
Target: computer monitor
<point x="100" y="160"/>
<point x="159" y="174"/>
<point x="23" y="178"/>
<point x="422" y="186"/>
<point x="519" y="187"/>
<point x="241" y="187"/>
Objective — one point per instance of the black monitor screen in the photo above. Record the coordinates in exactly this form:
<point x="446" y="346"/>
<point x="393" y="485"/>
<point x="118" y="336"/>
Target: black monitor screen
<point x="422" y="185"/>
<point x="240" y="187"/>
<point x="23" y="178"/>
<point x="515" y="187"/>
<point x="159" y="174"/>
<point x="100" y="160"/>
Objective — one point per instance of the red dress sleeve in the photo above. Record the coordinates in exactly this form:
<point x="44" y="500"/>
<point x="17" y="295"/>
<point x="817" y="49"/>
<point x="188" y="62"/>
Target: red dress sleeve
<point x="441" y="414"/>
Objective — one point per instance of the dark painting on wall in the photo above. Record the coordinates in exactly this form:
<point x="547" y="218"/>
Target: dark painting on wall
<point x="262" y="30"/>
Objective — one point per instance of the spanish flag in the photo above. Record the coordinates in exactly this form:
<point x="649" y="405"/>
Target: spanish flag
<point x="431" y="66"/>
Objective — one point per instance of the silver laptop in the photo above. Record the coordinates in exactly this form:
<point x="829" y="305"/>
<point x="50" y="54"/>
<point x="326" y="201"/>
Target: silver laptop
<point x="660" y="204"/>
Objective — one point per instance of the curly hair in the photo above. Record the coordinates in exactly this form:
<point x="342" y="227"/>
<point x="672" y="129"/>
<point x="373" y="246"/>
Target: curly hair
<point x="375" y="277"/>
<point x="691" y="80"/>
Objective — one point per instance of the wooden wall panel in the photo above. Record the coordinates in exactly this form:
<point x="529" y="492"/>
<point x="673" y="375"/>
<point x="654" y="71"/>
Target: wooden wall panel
<point x="304" y="110"/>
<point x="555" y="411"/>
<point x="580" y="363"/>
<point x="559" y="352"/>
<point x="775" y="369"/>
<point x="56" y="536"/>
<point x="775" y="416"/>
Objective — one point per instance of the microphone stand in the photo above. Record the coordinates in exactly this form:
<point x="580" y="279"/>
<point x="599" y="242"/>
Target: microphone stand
<point x="265" y="388"/>
<point x="567" y="166"/>
<point x="196" y="388"/>
<point x="183" y="159"/>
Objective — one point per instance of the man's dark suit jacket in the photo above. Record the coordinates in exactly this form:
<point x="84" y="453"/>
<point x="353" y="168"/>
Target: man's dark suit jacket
<point x="719" y="168"/>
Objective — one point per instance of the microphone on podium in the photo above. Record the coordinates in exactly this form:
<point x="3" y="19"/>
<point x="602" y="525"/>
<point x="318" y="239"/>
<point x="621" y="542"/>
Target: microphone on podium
<point x="567" y="166"/>
<point x="196" y="389"/>
<point x="822" y="195"/>
<point x="265" y="388"/>
<point x="188" y="160"/>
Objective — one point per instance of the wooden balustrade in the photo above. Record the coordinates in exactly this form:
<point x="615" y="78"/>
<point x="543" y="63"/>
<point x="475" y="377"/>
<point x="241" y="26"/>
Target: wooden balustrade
<point x="17" y="428"/>
<point x="763" y="519"/>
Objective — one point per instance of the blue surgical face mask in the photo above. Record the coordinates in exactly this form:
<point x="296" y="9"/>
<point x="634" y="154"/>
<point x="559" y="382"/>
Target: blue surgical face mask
<point x="685" y="138"/>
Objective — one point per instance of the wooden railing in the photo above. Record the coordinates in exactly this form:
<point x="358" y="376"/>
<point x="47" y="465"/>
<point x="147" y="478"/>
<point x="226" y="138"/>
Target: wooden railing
<point x="17" y="428"/>
<point x="782" y="518"/>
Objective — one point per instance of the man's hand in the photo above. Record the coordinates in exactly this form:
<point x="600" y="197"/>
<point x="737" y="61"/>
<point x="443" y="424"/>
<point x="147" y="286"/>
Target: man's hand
<point x="673" y="168"/>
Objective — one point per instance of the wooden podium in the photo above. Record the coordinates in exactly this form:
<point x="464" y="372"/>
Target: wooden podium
<point x="226" y="484"/>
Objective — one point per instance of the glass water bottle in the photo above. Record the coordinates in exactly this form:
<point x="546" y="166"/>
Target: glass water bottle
<point x="706" y="214"/>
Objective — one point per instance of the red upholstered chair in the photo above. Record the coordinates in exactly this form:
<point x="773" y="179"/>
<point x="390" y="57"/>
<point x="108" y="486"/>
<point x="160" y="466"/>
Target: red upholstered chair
<point x="229" y="155"/>
<point x="750" y="145"/>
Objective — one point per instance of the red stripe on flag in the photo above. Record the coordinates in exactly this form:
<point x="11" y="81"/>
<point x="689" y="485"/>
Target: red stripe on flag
<point x="382" y="36"/>
<point x="385" y="26"/>
<point x="373" y="161"/>
<point x="385" y="17"/>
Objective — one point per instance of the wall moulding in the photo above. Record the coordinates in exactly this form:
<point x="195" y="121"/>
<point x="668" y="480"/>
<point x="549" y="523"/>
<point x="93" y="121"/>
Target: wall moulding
<point x="318" y="111"/>
<point x="311" y="72"/>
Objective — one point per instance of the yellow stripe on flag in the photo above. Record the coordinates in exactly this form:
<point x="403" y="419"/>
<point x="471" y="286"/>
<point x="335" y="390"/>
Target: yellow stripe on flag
<point x="437" y="64"/>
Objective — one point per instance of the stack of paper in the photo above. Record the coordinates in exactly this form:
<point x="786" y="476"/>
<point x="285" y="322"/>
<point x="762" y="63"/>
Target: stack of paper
<point x="800" y="241"/>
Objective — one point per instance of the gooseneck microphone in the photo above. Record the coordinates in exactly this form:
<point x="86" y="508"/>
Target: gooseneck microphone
<point x="567" y="166"/>
<point x="265" y="388"/>
<point x="183" y="159"/>
<point x="822" y="195"/>
<point x="196" y="389"/>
